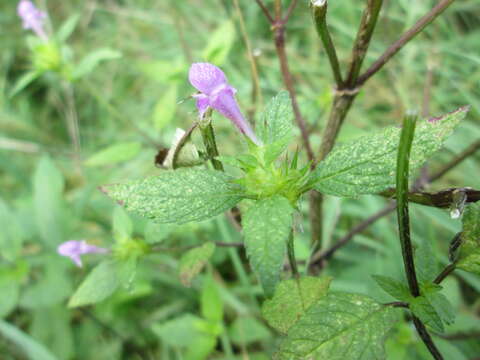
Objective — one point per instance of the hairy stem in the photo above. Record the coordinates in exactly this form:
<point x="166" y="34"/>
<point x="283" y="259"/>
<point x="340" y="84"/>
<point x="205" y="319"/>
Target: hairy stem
<point x="404" y="39"/>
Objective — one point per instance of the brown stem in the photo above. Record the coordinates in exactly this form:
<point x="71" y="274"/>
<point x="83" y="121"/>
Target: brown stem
<point x="290" y="9"/>
<point x="404" y="39"/>
<point x="427" y="339"/>
<point x="265" y="11"/>
<point x="279" y="37"/>
<point x="445" y="272"/>
<point x="362" y="42"/>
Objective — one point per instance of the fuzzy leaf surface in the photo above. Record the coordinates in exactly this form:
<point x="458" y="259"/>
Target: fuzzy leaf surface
<point x="193" y="261"/>
<point x="291" y="299"/>
<point x="469" y="256"/>
<point x="393" y="287"/>
<point x="266" y="226"/>
<point x="367" y="165"/>
<point x="178" y="196"/>
<point x="99" y="284"/>
<point x="340" y="326"/>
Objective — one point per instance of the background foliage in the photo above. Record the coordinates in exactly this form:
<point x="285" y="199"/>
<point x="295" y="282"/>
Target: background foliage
<point x="129" y="107"/>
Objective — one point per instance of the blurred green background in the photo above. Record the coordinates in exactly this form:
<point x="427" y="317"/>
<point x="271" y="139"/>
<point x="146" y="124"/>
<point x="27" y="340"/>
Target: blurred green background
<point x="127" y="108"/>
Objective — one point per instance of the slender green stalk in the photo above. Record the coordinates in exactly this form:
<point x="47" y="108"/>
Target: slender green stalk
<point x="291" y="255"/>
<point x="402" y="178"/>
<point x="319" y="13"/>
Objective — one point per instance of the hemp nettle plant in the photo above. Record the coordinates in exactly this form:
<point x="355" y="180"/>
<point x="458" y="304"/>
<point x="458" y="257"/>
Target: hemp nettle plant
<point x="262" y="193"/>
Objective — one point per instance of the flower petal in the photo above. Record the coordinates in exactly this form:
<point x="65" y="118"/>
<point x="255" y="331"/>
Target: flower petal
<point x="224" y="102"/>
<point x="206" y="77"/>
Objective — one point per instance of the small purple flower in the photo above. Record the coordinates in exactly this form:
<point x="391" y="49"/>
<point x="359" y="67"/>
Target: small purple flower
<point x="32" y="17"/>
<point x="74" y="249"/>
<point x="215" y="92"/>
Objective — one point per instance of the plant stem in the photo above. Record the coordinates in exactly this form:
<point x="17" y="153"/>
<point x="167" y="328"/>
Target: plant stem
<point x="404" y="39"/>
<point x="256" y="91"/>
<point x="427" y="339"/>
<point x="402" y="176"/>
<point x="291" y="255"/>
<point x="364" y="36"/>
<point x="445" y="272"/>
<point x="319" y="14"/>
<point x="319" y="257"/>
<point x="279" y="37"/>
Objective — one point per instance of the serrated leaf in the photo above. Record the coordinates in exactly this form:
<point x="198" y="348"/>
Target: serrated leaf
<point x="266" y="227"/>
<point x="219" y="44"/>
<point x="99" y="284"/>
<point x="92" y="60"/>
<point x="423" y="309"/>
<point x="276" y="121"/>
<point x="292" y="299"/>
<point x="178" y="196"/>
<point x="393" y="287"/>
<point x="469" y="253"/>
<point x="367" y="165"/>
<point x="340" y="326"/>
<point x="114" y="154"/>
<point x="247" y="330"/>
<point x="443" y="307"/>
<point x="165" y="108"/>
<point x="193" y="262"/>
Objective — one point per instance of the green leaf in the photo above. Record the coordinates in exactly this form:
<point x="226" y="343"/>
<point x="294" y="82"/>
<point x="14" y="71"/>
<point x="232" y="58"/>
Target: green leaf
<point x="393" y="287"/>
<point x="178" y="196"/>
<point x="443" y="307"/>
<point x="292" y="299"/>
<point x="114" y="154"/>
<point x="340" y="326"/>
<point x="367" y="165"/>
<point x="193" y="262"/>
<point x="121" y="224"/>
<point x="423" y="309"/>
<point x="31" y="348"/>
<point x="25" y="80"/>
<point x="266" y="227"/>
<point x="12" y="235"/>
<point x="426" y="262"/>
<point x="248" y="330"/>
<point x="219" y="44"/>
<point x="99" y="284"/>
<point x="469" y="253"/>
<point x="275" y="128"/>
<point x="165" y="108"/>
<point x="178" y="331"/>
<point x="48" y="186"/>
<point x="10" y="291"/>
<point x="211" y="302"/>
<point x="67" y="27"/>
<point x="92" y="60"/>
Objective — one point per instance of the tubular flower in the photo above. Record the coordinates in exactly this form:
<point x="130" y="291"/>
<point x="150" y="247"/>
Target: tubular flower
<point x="215" y="92"/>
<point x="32" y="18"/>
<point x="74" y="249"/>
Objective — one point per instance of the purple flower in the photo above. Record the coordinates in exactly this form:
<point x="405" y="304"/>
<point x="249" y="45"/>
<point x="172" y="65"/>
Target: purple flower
<point x="215" y="92"/>
<point x="32" y="17"/>
<point x="74" y="249"/>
